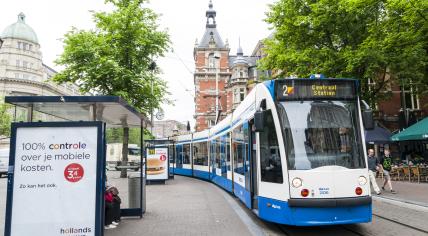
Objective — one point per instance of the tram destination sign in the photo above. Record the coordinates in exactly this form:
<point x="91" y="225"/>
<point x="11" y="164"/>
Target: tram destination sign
<point x="308" y="89"/>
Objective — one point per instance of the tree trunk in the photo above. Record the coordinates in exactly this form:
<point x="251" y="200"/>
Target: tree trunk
<point x="123" y="172"/>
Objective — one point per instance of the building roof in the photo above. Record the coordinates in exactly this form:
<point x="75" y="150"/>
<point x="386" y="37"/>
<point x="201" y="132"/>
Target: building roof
<point x="211" y="34"/>
<point x="20" y="30"/>
<point x="248" y="60"/>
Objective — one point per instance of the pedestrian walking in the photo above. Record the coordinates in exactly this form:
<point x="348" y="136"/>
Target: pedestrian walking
<point x="386" y="164"/>
<point x="373" y="166"/>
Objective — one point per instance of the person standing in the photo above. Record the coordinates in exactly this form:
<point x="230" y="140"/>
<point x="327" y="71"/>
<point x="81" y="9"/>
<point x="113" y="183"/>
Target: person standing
<point x="373" y="165"/>
<point x="386" y="163"/>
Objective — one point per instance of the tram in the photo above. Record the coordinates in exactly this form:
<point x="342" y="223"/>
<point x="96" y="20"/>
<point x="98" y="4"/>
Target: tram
<point x="293" y="152"/>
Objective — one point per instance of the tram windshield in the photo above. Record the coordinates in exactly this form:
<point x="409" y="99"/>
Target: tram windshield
<point x="321" y="133"/>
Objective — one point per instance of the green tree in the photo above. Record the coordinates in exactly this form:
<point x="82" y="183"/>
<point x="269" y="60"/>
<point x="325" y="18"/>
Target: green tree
<point x="406" y="42"/>
<point x="116" y="57"/>
<point x="5" y="119"/>
<point x="115" y="135"/>
<point x="362" y="39"/>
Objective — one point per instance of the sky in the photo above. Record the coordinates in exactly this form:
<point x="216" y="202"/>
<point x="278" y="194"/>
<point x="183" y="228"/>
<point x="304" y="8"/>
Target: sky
<point x="184" y="20"/>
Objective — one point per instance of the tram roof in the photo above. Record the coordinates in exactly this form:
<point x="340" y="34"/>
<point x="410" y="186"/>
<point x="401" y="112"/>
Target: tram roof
<point x="112" y="110"/>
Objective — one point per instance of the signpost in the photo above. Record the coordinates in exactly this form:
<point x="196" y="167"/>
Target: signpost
<point x="56" y="179"/>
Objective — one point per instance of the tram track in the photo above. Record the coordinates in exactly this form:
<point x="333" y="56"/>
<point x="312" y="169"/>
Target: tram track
<point x="400" y="223"/>
<point x="351" y="229"/>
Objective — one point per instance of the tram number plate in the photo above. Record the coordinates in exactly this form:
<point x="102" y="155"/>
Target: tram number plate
<point x="324" y="191"/>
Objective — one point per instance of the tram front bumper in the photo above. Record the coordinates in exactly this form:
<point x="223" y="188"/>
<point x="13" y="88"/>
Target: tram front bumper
<point x="333" y="213"/>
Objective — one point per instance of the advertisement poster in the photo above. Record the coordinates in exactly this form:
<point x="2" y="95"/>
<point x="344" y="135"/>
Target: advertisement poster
<point x="54" y="183"/>
<point x="157" y="163"/>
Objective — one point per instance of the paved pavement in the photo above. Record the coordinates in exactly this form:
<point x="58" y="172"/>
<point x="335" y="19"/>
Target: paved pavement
<point x="186" y="206"/>
<point x="409" y="192"/>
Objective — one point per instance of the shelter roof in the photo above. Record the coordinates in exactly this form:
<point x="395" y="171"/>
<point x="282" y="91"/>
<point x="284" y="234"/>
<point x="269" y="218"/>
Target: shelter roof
<point x="112" y="110"/>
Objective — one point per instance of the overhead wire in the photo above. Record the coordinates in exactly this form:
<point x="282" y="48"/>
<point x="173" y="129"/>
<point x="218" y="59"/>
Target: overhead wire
<point x="187" y="68"/>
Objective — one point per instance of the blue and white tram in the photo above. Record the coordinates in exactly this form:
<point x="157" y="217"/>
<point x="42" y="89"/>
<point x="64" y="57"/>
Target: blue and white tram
<point x="183" y="159"/>
<point x="292" y="151"/>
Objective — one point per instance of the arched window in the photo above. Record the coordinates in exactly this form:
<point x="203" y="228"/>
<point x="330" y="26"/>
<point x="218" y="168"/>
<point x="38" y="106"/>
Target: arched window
<point x="211" y="61"/>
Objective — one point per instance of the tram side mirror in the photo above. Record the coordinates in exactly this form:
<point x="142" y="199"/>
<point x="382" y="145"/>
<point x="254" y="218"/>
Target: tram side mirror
<point x="259" y="120"/>
<point x="368" y="119"/>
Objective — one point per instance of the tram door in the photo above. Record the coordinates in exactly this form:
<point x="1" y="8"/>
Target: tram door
<point x="253" y="169"/>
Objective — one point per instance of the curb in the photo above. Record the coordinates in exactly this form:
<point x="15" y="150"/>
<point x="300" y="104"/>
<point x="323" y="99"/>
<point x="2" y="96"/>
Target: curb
<point x="403" y="203"/>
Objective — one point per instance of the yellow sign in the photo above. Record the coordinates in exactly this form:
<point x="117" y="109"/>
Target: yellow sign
<point x="324" y="90"/>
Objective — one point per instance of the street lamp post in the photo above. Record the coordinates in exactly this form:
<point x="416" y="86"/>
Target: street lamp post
<point x="217" y="71"/>
<point x="152" y="68"/>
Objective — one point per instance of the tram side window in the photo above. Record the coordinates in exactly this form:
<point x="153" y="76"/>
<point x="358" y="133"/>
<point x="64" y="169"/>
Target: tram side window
<point x="218" y="152"/>
<point x="270" y="158"/>
<point x="223" y="155"/>
<point x="186" y="154"/>
<point x="246" y="156"/>
<point x="228" y="164"/>
<point x="212" y="152"/>
<point x="200" y="154"/>
<point x="238" y="149"/>
<point x="179" y="156"/>
<point x="204" y="153"/>
<point x="195" y="149"/>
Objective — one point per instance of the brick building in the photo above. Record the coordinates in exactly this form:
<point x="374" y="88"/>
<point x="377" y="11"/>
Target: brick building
<point x="221" y="80"/>
<point x="237" y="74"/>
<point x="402" y="109"/>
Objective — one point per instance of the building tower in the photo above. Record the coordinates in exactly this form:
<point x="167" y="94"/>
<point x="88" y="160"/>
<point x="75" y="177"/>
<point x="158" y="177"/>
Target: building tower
<point x="211" y="75"/>
<point x="22" y="71"/>
<point x="21" y="52"/>
<point x="237" y="86"/>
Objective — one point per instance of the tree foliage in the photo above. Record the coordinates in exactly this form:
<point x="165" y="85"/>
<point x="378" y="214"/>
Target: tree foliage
<point x="115" y="57"/>
<point x="5" y="119"/>
<point x="362" y="39"/>
<point x="115" y="135"/>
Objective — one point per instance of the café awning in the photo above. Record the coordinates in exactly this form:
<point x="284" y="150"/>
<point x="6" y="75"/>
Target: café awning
<point x="378" y="135"/>
<point x="418" y="131"/>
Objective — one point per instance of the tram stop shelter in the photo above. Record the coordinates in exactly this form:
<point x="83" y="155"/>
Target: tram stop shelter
<point x="67" y="114"/>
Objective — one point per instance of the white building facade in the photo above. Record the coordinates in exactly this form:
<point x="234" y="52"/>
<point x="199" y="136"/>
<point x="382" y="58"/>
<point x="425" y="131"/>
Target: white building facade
<point x="22" y="71"/>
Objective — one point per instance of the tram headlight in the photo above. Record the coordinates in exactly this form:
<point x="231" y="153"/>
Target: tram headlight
<point x="362" y="180"/>
<point x="297" y="182"/>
